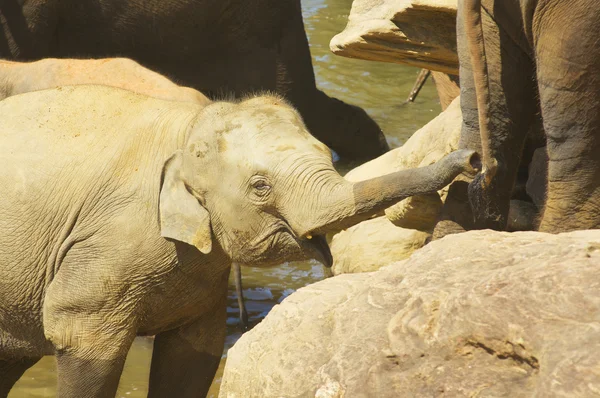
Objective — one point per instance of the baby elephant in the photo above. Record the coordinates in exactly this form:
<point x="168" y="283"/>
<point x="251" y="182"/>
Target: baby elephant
<point x="23" y="77"/>
<point x="121" y="215"/>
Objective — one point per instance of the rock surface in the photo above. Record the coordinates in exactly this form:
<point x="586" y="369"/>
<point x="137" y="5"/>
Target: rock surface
<point x="372" y="244"/>
<point x="420" y="33"/>
<point x="476" y="314"/>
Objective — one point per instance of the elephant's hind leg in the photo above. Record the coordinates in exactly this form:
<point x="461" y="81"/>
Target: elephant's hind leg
<point x="11" y="371"/>
<point x="568" y="74"/>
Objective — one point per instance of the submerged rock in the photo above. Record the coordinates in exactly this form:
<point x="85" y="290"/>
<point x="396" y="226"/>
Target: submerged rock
<point x="481" y="313"/>
<point x="447" y="87"/>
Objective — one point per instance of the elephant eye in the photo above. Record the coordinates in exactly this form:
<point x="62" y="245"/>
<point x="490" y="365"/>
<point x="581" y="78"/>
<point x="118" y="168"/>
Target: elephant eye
<point x="261" y="186"/>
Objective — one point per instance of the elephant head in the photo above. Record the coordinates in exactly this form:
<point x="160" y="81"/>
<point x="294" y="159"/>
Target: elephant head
<point x="251" y="179"/>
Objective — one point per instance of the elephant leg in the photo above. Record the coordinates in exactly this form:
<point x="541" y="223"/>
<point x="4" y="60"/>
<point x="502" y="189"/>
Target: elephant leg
<point x="91" y="326"/>
<point x="568" y="75"/>
<point x="512" y="106"/>
<point x="185" y="360"/>
<point x="86" y="372"/>
<point x="237" y="274"/>
<point x="11" y="371"/>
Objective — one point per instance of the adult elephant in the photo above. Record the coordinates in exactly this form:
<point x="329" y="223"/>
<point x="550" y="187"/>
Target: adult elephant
<point x="219" y="47"/>
<point x="525" y="63"/>
<point x="120" y="215"/>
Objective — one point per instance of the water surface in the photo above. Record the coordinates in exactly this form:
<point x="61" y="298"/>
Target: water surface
<point x="377" y="87"/>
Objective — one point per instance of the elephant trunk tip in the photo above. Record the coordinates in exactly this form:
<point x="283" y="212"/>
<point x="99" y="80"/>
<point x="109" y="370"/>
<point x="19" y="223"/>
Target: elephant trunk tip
<point x="475" y="161"/>
<point x="463" y="160"/>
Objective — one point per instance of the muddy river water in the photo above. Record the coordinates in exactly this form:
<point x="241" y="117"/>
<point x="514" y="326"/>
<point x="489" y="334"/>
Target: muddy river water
<point x="379" y="88"/>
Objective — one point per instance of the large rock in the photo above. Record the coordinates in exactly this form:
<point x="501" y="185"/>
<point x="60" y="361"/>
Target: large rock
<point x="372" y="244"/>
<point x="420" y="33"/>
<point x="476" y="314"/>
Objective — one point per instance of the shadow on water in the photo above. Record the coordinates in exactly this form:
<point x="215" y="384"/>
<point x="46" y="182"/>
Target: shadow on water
<point x="380" y="89"/>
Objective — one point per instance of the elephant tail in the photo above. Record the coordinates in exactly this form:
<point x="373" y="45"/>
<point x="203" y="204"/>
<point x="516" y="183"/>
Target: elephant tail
<point x="476" y="46"/>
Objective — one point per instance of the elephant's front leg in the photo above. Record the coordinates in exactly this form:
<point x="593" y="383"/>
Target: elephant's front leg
<point x="90" y="319"/>
<point x="185" y="360"/>
<point x="86" y="372"/>
<point x="11" y="371"/>
<point x="91" y="349"/>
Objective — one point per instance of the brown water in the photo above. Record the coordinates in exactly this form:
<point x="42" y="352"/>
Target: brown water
<point x="379" y="88"/>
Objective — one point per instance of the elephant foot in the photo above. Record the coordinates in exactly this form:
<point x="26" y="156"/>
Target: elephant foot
<point x="555" y="222"/>
<point x="489" y="209"/>
<point x="446" y="227"/>
<point x="522" y="216"/>
<point x="456" y="215"/>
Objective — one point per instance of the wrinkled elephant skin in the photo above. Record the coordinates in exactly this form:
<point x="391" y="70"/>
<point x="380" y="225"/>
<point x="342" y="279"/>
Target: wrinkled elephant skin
<point x="520" y="61"/>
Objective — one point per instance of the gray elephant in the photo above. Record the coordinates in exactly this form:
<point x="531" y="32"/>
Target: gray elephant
<point x="121" y="215"/>
<point x="525" y="64"/>
<point x="218" y="47"/>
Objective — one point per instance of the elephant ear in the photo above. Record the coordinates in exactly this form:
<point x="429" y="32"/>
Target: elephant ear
<point x="182" y="217"/>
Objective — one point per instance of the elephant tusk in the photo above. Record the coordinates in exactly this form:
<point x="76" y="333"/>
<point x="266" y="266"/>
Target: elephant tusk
<point x="308" y="236"/>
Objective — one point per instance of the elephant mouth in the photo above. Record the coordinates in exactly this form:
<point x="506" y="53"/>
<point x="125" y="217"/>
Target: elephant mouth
<point x="319" y="246"/>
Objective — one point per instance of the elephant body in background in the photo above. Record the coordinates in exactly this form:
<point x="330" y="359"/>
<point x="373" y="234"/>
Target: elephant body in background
<point x="217" y="47"/>
<point x="24" y="77"/>
<point x="524" y="64"/>
<point x="121" y="214"/>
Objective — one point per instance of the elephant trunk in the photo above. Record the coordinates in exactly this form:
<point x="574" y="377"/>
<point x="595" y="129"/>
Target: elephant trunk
<point x="355" y="202"/>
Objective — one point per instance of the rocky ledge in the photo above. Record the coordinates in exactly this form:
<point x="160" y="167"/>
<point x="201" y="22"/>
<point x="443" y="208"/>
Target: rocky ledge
<point x="476" y="314"/>
<point x="420" y="33"/>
